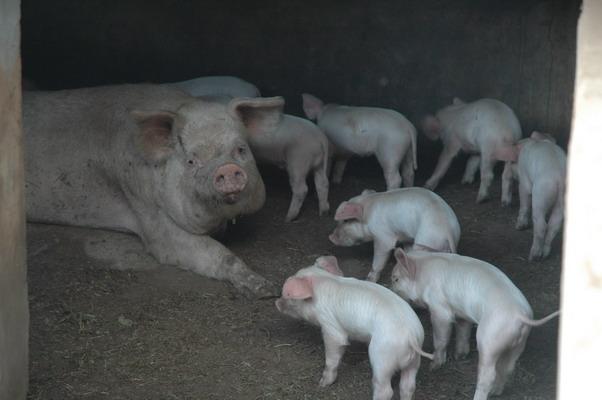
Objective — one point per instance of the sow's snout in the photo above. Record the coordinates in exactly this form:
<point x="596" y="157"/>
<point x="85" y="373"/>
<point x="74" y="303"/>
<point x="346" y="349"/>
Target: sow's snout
<point x="229" y="180"/>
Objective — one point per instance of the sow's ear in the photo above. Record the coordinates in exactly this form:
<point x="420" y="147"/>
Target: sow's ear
<point x="312" y="106"/>
<point x="155" y="138"/>
<point x="329" y="264"/>
<point x="298" y="289"/>
<point x="406" y="263"/>
<point x="349" y="210"/>
<point x="258" y="115"/>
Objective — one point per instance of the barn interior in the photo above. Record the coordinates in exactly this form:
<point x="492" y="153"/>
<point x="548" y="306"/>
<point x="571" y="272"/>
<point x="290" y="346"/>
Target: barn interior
<point x="108" y="321"/>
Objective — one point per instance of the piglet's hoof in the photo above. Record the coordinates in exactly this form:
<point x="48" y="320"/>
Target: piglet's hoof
<point x="481" y="198"/>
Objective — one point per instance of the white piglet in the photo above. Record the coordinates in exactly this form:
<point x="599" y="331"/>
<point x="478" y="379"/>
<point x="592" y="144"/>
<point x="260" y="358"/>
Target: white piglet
<point x="414" y="215"/>
<point x="366" y="131"/>
<point x="541" y="172"/>
<point x="350" y="309"/>
<point x="300" y="147"/>
<point x="218" y="86"/>
<point x="485" y="128"/>
<point x="466" y="291"/>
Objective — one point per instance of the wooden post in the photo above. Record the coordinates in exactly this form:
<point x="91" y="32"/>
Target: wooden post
<point x="14" y="315"/>
<point x="581" y="325"/>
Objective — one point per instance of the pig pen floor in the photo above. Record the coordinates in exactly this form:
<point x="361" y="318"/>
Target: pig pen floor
<point x="108" y="322"/>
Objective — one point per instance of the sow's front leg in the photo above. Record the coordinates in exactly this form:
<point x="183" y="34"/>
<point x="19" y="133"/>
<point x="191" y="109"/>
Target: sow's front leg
<point x="207" y="257"/>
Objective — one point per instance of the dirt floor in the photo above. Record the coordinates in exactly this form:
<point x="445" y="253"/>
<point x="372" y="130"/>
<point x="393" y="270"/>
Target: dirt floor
<point x="100" y="330"/>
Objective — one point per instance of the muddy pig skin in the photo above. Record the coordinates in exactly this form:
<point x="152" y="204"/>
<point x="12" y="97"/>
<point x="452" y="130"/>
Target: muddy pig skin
<point x="350" y="309"/>
<point x="366" y="131"/>
<point x="413" y="215"/>
<point x="152" y="160"/>
<point x="300" y="147"/>
<point x="485" y="128"/>
<point x="464" y="291"/>
<point x="541" y="172"/>
<point x="218" y="86"/>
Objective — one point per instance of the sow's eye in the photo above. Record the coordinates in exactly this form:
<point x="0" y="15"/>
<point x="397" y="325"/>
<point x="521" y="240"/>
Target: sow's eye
<point x="241" y="151"/>
<point x="193" y="162"/>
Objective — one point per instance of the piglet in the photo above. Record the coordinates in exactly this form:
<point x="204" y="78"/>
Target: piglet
<point x="466" y="291"/>
<point x="300" y="147"/>
<point x="348" y="308"/>
<point x="541" y="172"/>
<point x="366" y="131"/>
<point x="485" y="128"/>
<point x="404" y="215"/>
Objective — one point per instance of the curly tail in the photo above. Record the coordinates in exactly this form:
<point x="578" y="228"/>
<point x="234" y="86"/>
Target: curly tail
<point x="422" y="353"/>
<point x="538" y="322"/>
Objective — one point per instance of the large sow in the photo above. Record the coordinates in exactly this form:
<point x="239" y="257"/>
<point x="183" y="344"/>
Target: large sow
<point x="151" y="160"/>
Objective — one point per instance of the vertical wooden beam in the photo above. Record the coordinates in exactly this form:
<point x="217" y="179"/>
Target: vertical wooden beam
<point x="581" y="326"/>
<point x="14" y="315"/>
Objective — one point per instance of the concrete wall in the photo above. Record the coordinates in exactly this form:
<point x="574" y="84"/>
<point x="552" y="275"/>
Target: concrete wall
<point x="14" y="315"/>
<point x="412" y="55"/>
<point x="581" y="324"/>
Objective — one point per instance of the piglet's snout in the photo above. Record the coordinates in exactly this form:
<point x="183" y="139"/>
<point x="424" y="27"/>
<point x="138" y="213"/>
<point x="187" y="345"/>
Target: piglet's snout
<point x="229" y="180"/>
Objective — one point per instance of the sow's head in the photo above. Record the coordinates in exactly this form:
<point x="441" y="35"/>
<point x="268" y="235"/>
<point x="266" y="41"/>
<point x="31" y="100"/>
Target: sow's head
<point x="205" y="169"/>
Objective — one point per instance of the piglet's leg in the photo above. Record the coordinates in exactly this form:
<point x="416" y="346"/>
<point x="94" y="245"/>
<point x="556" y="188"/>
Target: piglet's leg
<point x="384" y="361"/>
<point x="407" y="379"/>
<point x="507" y="185"/>
<point x="554" y="224"/>
<point x="321" y="182"/>
<point x="524" y="191"/>
<point x="505" y="367"/>
<point x="382" y="248"/>
<point x="487" y="164"/>
<point x="472" y="165"/>
<point x="297" y="173"/>
<point x="445" y="158"/>
<point x="492" y="342"/>
<point x="407" y="169"/>
<point x="334" y="348"/>
<point x="544" y="197"/>
<point x="339" y="169"/>
<point x="442" y="320"/>
<point x="390" y="158"/>
<point x="463" y="329"/>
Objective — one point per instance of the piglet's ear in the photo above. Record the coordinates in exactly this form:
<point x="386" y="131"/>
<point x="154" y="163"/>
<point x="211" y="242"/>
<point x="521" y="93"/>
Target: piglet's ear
<point x="431" y="127"/>
<point x="457" y="101"/>
<point x="507" y="152"/>
<point x="312" y="106"/>
<point x="349" y="210"/>
<point x="329" y="264"/>
<point x="155" y="139"/>
<point x="542" y="136"/>
<point x="258" y="114"/>
<point x="298" y="289"/>
<point x="405" y="263"/>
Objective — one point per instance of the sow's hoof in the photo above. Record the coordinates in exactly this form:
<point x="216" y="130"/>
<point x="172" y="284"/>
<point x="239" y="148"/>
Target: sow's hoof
<point x="256" y="287"/>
